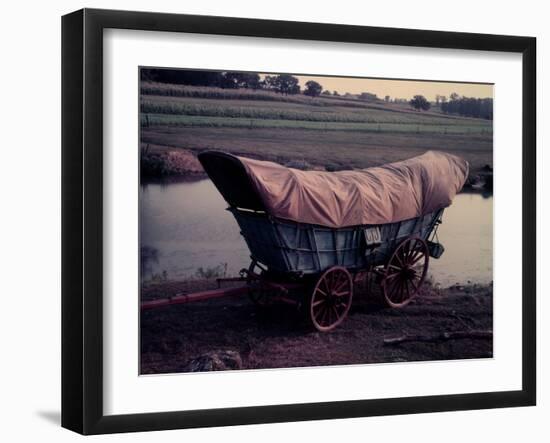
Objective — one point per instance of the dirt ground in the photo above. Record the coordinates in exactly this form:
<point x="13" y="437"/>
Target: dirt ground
<point x="453" y="323"/>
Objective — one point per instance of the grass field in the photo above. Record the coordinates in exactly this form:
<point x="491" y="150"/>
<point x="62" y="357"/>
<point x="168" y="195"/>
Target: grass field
<point x="324" y="132"/>
<point x="268" y="122"/>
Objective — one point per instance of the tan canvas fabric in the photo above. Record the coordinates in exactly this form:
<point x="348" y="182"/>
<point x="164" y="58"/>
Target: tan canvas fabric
<point x="389" y="193"/>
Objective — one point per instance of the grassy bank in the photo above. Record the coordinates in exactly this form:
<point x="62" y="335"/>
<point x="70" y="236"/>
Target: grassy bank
<point x="330" y="150"/>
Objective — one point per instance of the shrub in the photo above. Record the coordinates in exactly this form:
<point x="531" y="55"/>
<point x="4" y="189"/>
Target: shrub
<point x="208" y="273"/>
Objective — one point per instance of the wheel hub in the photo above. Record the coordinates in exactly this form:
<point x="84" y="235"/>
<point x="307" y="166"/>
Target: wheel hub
<point x="408" y="273"/>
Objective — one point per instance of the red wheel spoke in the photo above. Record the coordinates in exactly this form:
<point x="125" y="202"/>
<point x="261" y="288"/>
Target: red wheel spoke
<point x="323" y="314"/>
<point x="417" y="259"/>
<point x="399" y="260"/>
<point x="397" y="288"/>
<point x="395" y="274"/>
<point x="325" y="284"/>
<point x="336" y="279"/>
<point x="323" y="293"/>
<point x="407" y="251"/>
<point x="416" y="253"/>
<point x="412" y="251"/>
<point x="394" y="285"/>
<point x="394" y="288"/>
<point x="338" y="282"/>
<point x="412" y="247"/>
<point x="317" y="303"/>
<point x="399" y="291"/>
<point x="342" y="305"/>
<point x="395" y="292"/>
<point x="336" y="289"/>
<point x="330" y="277"/>
<point x="404" y="248"/>
<point x="403" y="258"/>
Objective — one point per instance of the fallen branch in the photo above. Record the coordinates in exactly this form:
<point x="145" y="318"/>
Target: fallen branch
<point x="444" y="336"/>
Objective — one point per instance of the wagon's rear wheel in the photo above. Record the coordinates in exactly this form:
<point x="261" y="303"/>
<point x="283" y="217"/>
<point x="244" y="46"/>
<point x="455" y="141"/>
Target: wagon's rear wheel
<point x="405" y="272"/>
<point x="331" y="298"/>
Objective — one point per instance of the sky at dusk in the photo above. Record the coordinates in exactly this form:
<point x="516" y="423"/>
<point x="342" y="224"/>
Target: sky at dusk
<point x="399" y="88"/>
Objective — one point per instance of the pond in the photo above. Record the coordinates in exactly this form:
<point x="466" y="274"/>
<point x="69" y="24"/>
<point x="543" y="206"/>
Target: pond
<point x="186" y="232"/>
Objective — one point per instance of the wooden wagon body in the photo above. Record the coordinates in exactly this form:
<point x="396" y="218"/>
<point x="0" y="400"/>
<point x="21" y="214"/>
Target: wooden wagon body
<point x="287" y="247"/>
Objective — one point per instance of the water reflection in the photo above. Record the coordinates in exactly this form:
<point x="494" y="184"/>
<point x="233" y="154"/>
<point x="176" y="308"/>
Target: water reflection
<point x="186" y="225"/>
<point x="467" y="234"/>
<point x="189" y="226"/>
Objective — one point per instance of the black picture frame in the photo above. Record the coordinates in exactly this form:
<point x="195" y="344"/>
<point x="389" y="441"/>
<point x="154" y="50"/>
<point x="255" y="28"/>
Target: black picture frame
<point x="82" y="219"/>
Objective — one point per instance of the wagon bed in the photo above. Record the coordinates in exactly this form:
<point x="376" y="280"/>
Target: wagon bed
<point x="299" y="248"/>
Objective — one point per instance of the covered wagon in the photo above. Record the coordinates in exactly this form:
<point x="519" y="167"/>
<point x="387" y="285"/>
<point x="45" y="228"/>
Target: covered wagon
<point x="310" y="233"/>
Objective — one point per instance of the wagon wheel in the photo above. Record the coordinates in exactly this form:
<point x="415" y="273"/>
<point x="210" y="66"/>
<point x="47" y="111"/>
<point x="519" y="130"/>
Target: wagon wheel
<point x="405" y="272"/>
<point x="260" y="293"/>
<point x="331" y="299"/>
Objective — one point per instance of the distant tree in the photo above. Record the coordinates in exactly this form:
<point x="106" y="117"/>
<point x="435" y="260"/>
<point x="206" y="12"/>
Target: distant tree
<point x="147" y="75"/>
<point x="252" y="81"/>
<point x="335" y="93"/>
<point x="387" y="98"/>
<point x="269" y="82"/>
<point x="419" y="102"/>
<point x="326" y="92"/>
<point x="454" y="96"/>
<point x="369" y="96"/>
<point x="313" y="89"/>
<point x="236" y="80"/>
<point x="442" y="99"/>
<point x="283" y="83"/>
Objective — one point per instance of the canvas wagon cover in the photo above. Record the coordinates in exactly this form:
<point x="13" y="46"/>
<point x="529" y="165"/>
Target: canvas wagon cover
<point x="384" y="194"/>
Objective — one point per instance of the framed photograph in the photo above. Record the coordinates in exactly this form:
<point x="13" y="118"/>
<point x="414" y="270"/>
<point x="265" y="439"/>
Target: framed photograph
<point x="270" y="221"/>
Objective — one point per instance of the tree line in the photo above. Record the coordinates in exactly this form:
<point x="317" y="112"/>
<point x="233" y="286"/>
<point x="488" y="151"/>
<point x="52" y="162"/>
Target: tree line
<point x="283" y="83"/>
<point x="469" y="107"/>
<point x="464" y="106"/>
